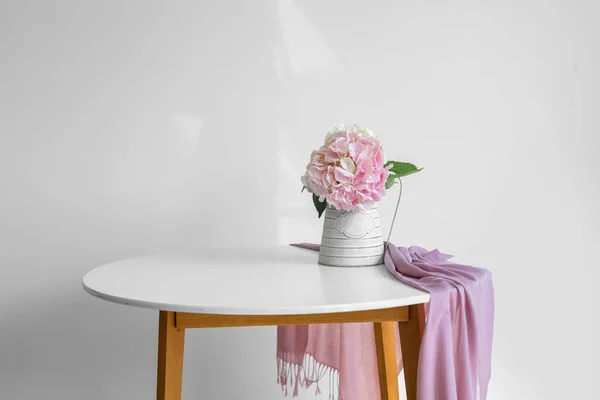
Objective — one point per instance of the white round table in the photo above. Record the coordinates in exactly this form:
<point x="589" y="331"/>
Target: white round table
<point x="266" y="286"/>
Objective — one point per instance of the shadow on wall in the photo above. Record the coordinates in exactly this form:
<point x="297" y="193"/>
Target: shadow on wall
<point x="69" y="346"/>
<point x="73" y="346"/>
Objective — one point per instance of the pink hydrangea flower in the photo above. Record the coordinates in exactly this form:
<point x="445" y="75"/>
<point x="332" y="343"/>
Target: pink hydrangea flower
<point x="348" y="170"/>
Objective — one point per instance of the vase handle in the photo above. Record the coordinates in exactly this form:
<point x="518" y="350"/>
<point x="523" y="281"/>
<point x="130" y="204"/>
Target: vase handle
<point x="387" y="243"/>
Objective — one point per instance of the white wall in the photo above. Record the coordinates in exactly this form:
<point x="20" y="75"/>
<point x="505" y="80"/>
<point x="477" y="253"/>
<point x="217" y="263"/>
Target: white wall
<point x="127" y="128"/>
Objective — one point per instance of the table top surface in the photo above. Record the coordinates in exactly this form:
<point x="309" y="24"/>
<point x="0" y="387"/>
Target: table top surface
<point x="268" y="281"/>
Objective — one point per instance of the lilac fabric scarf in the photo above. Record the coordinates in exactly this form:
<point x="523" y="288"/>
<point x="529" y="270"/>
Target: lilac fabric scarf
<point x="455" y="355"/>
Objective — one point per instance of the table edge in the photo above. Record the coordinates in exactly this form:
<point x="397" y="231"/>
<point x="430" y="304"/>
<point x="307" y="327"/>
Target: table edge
<point x="420" y="299"/>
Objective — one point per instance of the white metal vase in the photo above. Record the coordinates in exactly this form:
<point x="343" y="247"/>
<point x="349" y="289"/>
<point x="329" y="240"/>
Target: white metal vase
<point x="351" y="238"/>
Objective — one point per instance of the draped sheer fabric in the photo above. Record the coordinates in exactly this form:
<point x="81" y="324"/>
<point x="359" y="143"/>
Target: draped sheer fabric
<point x="455" y="355"/>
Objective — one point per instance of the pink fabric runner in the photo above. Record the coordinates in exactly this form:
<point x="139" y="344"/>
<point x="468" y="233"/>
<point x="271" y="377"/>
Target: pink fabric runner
<point x="455" y="356"/>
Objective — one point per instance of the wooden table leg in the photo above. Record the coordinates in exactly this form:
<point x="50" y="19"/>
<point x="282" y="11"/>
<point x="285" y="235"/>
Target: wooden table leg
<point x="411" y="333"/>
<point x="385" y="341"/>
<point x="170" y="357"/>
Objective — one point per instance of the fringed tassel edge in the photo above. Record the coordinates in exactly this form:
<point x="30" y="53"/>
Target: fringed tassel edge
<point x="293" y="376"/>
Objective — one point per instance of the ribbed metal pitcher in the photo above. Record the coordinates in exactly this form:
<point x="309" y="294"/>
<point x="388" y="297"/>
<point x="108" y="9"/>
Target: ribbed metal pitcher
<point x="351" y="238"/>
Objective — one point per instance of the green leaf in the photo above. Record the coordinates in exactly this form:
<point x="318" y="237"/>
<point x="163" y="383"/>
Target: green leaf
<point x="303" y="189"/>
<point x="320" y="206"/>
<point x="402" y="168"/>
<point x="390" y="181"/>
